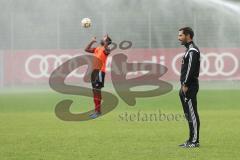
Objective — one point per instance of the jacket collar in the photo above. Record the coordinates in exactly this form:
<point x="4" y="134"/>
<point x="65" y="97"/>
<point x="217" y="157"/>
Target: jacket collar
<point x="188" y="44"/>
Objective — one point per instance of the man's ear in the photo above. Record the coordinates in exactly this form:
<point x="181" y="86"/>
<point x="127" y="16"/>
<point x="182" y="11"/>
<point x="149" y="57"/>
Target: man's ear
<point x="188" y="37"/>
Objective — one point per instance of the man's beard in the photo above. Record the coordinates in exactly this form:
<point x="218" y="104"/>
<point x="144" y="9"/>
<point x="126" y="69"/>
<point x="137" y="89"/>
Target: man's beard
<point x="183" y="42"/>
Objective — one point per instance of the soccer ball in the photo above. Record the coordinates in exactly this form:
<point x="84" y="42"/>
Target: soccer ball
<point x="86" y="22"/>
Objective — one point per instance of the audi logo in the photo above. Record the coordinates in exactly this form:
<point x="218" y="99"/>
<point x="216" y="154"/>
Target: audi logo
<point x="219" y="64"/>
<point x="45" y="62"/>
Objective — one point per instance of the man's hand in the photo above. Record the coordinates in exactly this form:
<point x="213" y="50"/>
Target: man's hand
<point x="105" y="37"/>
<point x="184" y="88"/>
<point x="94" y="39"/>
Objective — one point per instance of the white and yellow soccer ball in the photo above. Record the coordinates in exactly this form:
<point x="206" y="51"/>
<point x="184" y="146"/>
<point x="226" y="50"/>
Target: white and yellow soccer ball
<point x="86" y="22"/>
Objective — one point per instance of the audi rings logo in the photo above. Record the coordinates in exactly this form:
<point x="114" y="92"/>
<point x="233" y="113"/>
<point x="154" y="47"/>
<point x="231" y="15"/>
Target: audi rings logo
<point x="39" y="66"/>
<point x="213" y="64"/>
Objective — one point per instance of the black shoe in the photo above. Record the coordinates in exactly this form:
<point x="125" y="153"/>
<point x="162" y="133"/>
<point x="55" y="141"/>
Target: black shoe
<point x="184" y="144"/>
<point x="190" y="145"/>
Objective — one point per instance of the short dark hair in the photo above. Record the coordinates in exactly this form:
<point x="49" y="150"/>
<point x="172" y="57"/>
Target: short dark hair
<point x="187" y="31"/>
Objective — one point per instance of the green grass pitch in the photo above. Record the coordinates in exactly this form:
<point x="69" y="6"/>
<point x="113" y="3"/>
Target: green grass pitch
<point x="29" y="129"/>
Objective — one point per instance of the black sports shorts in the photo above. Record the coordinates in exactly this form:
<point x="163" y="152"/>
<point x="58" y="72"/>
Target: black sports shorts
<point x="97" y="79"/>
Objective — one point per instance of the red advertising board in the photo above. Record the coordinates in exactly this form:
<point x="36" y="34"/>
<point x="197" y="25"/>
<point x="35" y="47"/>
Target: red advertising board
<point x="35" y="66"/>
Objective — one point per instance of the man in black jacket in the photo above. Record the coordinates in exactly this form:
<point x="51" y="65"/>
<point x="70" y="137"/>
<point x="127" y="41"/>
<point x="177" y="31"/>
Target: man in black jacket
<point x="189" y="85"/>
